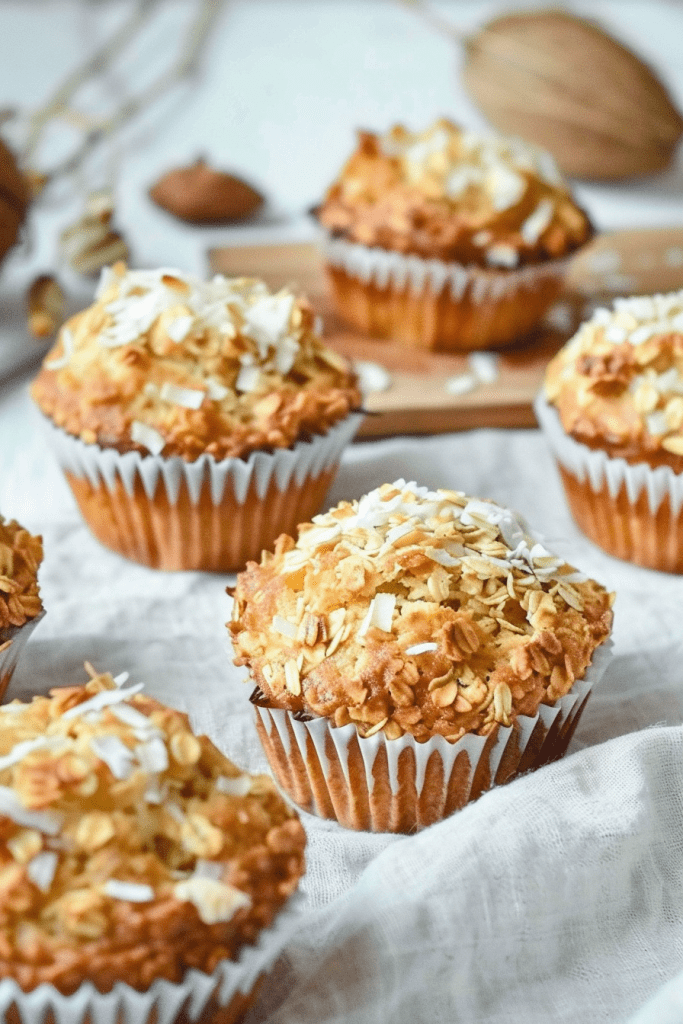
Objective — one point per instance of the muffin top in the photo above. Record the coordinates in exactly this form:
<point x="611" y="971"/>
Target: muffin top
<point x="618" y="383"/>
<point x="20" y="556"/>
<point x="416" y="611"/>
<point x="130" y="849"/>
<point x="165" y="363"/>
<point x="450" y="194"/>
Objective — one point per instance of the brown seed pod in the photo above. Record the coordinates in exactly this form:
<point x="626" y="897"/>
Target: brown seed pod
<point x="15" y="197"/>
<point x="562" y="82"/>
<point x="201" y="195"/>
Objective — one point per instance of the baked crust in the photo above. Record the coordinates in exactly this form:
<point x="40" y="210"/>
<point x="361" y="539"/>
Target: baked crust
<point x="20" y="555"/>
<point x="415" y="611"/>
<point x="162" y="362"/>
<point x="618" y="383"/>
<point x="130" y="849"/>
<point x="451" y="195"/>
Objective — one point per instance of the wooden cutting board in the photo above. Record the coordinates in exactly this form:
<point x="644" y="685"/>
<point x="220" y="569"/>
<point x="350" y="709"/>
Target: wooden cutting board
<point x="417" y="400"/>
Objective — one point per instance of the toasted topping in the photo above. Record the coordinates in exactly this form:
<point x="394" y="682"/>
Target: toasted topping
<point x="416" y="611"/>
<point x="93" y="818"/>
<point x="618" y="383"/>
<point x="163" y="361"/>
<point x="20" y="556"/>
<point x="455" y="195"/>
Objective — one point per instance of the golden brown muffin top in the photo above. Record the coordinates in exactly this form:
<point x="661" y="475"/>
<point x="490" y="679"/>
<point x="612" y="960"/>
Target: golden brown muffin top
<point x="451" y="194"/>
<point x="20" y="556"/>
<point x="165" y="363"/>
<point x="130" y="848"/>
<point x="416" y="611"/>
<point x="618" y="383"/>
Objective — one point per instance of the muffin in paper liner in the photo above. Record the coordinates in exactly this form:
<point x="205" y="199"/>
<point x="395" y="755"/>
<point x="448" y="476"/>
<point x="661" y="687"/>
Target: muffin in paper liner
<point x="13" y="640"/>
<point x="446" y="239"/>
<point x="631" y="511"/>
<point x="195" y="419"/>
<point x="145" y="878"/>
<point x="411" y="649"/>
<point x="223" y="997"/>
<point x="428" y="303"/>
<point x="382" y="785"/>
<point x="168" y="513"/>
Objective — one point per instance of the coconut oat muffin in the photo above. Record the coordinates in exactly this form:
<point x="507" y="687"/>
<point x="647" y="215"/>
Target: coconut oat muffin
<point x="612" y="408"/>
<point x="181" y="406"/>
<point x="131" y="850"/>
<point x="403" y="618"/>
<point x="448" y="239"/>
<point x="20" y="606"/>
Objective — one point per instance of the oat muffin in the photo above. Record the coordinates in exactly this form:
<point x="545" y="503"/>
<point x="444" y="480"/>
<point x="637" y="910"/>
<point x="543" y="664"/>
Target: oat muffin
<point x="612" y="408"/>
<point x="448" y="239"/>
<point x="192" y="417"/>
<point x="20" y="606"/>
<point x="132" y="850"/>
<point x="403" y="619"/>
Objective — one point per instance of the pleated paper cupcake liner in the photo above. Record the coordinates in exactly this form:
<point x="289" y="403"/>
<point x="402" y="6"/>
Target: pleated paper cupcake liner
<point x="634" y="512"/>
<point x="224" y="996"/>
<point x="381" y="785"/>
<point x="214" y="515"/>
<point x="12" y="643"/>
<point x="432" y="304"/>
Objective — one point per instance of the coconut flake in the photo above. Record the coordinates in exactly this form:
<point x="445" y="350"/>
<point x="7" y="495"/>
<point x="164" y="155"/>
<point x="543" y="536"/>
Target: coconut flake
<point x="484" y="366"/>
<point x="102" y="700"/>
<point x="536" y="223"/>
<point x="132" y="892"/>
<point x="48" y="822"/>
<point x="380" y="613"/>
<point x="25" y="747"/>
<point x="67" y="346"/>
<point x="442" y="557"/>
<point x="208" y="869"/>
<point x="502" y="255"/>
<point x="41" y="869"/>
<point x="215" y="901"/>
<point x="284" y="627"/>
<point x="188" y="398"/>
<point x="239" y="786"/>
<point x="461" y="383"/>
<point x="179" y="328"/>
<point x="148" y="437"/>
<point x="215" y="390"/>
<point x="152" y="755"/>
<point x="121" y="678"/>
<point x="115" y="754"/>
<point x="421" y="648"/>
<point x="248" y="379"/>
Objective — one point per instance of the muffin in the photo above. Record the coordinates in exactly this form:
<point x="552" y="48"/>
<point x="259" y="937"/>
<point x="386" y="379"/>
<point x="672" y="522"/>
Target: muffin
<point x="140" y="870"/>
<point x="20" y="606"/>
<point x="612" y="410"/>
<point x="444" y="239"/>
<point x="412" y="649"/>
<point x="192" y="419"/>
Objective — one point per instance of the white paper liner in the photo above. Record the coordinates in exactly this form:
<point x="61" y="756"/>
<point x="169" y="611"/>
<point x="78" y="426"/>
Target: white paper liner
<point x="601" y="470"/>
<point x="107" y="465"/>
<point x="561" y="715"/>
<point x="383" y="268"/>
<point x="164" y="1000"/>
<point x="10" y="656"/>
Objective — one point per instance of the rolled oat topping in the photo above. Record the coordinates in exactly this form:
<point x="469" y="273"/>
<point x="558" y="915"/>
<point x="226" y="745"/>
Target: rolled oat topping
<point x="426" y="612"/>
<point x="618" y="383"/>
<point x="130" y="848"/>
<point x="455" y="195"/>
<point x="20" y="556"/>
<point x="164" y="362"/>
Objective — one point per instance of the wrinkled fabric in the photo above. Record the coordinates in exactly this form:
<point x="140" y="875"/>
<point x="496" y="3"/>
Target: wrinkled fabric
<point x="557" y="897"/>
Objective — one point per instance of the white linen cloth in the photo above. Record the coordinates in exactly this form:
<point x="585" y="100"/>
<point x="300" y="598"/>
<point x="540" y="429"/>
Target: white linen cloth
<point x="557" y="897"/>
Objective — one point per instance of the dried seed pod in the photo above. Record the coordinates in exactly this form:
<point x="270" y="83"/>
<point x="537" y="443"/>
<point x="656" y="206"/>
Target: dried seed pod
<point x="45" y="306"/>
<point x="15" y="196"/>
<point x="92" y="243"/>
<point x="562" y="82"/>
<point x="201" y="195"/>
